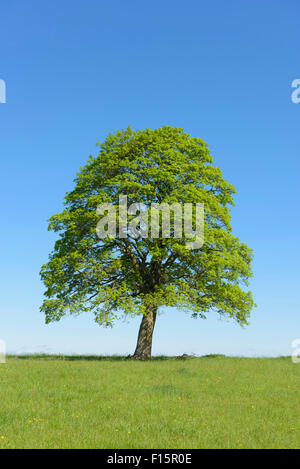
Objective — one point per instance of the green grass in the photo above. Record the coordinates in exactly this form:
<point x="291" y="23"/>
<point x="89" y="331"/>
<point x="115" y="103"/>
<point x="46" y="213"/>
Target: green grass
<point x="93" y="402"/>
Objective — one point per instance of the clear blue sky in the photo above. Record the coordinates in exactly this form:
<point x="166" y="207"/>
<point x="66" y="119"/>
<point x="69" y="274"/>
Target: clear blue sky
<point x="76" y="70"/>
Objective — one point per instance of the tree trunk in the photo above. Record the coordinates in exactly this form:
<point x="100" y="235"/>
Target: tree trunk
<point x="144" y="342"/>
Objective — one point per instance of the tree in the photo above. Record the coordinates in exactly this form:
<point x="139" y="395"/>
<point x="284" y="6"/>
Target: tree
<point x="117" y="275"/>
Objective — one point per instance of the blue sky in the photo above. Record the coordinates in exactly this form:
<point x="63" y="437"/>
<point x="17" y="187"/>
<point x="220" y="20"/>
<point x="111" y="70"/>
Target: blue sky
<point x="76" y="70"/>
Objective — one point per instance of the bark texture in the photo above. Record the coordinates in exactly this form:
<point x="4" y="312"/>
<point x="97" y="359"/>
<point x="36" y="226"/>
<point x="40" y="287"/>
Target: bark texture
<point x="144" y="342"/>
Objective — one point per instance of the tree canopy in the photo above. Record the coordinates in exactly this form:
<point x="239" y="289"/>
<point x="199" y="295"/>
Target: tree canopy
<point x="118" y="275"/>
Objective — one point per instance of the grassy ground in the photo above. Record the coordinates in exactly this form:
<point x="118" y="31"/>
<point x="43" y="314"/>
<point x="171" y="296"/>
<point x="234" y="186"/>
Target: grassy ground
<point x="88" y="402"/>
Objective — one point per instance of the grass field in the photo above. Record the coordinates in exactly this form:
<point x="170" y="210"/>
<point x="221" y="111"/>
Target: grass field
<point x="209" y="402"/>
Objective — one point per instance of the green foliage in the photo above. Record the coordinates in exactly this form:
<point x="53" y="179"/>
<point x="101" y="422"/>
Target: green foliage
<point x="115" y="276"/>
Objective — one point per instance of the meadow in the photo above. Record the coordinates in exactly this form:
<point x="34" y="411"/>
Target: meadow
<point x="110" y="402"/>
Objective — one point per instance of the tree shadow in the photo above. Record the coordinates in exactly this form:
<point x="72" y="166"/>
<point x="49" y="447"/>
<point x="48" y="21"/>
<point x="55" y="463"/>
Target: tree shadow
<point x="117" y="358"/>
